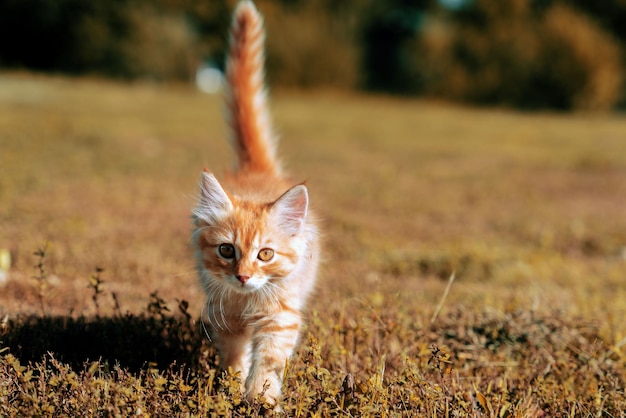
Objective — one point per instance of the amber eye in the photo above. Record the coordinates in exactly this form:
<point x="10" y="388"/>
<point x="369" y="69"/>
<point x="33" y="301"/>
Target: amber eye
<point x="266" y="254"/>
<point x="227" y="251"/>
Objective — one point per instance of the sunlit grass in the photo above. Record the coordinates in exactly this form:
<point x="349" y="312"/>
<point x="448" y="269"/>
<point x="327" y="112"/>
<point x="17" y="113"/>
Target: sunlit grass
<point x="527" y="210"/>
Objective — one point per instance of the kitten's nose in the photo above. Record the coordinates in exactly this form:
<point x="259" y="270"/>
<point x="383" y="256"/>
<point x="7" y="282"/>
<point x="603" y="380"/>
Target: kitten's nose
<point x="242" y="279"/>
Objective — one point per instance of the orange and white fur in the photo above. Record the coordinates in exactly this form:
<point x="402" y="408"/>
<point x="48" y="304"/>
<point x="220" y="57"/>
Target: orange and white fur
<point x="255" y="238"/>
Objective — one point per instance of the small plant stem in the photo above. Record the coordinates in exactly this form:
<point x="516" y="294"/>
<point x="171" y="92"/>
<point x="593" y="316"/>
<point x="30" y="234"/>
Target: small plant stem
<point x="41" y="276"/>
<point x="95" y="283"/>
<point x="443" y="298"/>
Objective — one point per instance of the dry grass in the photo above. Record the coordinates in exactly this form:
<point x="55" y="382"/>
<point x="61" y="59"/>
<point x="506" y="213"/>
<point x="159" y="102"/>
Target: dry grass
<point x="527" y="210"/>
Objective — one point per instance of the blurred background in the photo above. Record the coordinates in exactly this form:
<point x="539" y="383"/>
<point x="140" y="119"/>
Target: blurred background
<point x="528" y="54"/>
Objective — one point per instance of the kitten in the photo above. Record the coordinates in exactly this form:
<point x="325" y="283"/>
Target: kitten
<point x="256" y="242"/>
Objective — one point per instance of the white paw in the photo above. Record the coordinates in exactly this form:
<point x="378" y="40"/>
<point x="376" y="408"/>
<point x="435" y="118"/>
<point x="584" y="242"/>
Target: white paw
<point x="267" y="385"/>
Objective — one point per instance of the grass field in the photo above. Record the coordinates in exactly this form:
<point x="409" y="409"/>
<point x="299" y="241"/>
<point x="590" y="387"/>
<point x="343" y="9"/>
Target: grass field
<point x="101" y="306"/>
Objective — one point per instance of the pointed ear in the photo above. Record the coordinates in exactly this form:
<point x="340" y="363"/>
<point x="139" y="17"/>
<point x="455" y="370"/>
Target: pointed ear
<point x="291" y="208"/>
<point x="214" y="202"/>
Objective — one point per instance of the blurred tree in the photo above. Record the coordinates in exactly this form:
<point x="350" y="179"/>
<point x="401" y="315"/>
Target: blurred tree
<point x="35" y="33"/>
<point x="521" y="53"/>
<point x="387" y="30"/>
<point x="311" y="42"/>
<point x="162" y="39"/>
<point x="609" y="14"/>
<point x="525" y="53"/>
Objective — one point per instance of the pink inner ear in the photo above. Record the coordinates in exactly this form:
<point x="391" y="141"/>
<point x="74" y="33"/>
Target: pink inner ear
<point x="290" y="209"/>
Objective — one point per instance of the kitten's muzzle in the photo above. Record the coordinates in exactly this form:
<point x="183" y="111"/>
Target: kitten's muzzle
<point x="242" y="279"/>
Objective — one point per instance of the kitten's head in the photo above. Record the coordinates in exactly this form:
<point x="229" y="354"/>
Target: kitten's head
<point x="243" y="244"/>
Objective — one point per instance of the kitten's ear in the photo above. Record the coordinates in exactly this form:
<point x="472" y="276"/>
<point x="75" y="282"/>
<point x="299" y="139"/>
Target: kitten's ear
<point x="290" y="209"/>
<point x="214" y="202"/>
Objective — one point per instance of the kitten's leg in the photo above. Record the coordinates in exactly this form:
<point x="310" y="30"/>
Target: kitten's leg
<point x="235" y="352"/>
<point x="273" y="342"/>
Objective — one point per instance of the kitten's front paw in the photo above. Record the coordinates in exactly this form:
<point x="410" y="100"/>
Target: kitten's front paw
<point x="268" y="385"/>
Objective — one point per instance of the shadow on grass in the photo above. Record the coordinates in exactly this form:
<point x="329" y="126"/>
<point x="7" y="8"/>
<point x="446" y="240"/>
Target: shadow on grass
<point x="152" y="339"/>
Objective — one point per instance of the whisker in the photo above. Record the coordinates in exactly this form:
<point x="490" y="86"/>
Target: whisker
<point x="206" y="331"/>
<point x="217" y="321"/>
<point x="222" y="310"/>
<point x="213" y="321"/>
<point x="271" y="293"/>
<point x="184" y="274"/>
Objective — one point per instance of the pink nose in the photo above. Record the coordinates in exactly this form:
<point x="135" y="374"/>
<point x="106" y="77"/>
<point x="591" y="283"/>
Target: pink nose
<point x="243" y="279"/>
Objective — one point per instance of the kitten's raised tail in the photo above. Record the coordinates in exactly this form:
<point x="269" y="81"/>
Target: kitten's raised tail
<point x="246" y="101"/>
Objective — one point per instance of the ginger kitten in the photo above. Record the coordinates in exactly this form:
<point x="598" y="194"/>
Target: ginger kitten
<point x="256" y="242"/>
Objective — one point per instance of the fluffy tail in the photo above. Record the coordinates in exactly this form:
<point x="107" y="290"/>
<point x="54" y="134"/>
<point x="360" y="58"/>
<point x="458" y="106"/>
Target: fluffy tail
<point x="246" y="100"/>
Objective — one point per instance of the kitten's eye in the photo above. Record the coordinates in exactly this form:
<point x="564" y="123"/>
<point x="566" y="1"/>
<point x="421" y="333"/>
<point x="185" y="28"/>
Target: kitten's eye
<point x="227" y="251"/>
<point x="266" y="254"/>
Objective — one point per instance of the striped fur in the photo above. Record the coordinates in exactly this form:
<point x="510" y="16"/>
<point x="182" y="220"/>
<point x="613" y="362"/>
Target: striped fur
<point x="246" y="97"/>
<point x="254" y="301"/>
